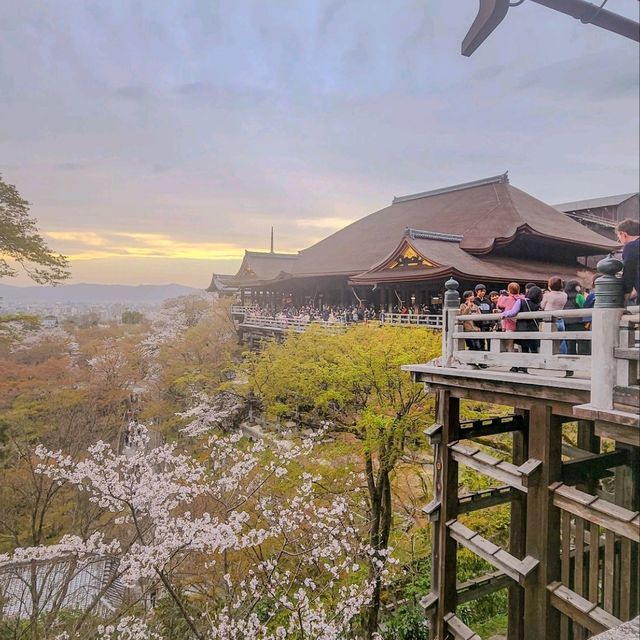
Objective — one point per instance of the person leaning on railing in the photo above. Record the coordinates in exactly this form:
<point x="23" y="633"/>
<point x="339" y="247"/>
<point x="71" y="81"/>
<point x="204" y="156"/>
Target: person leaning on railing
<point x="505" y="303"/>
<point x="530" y="303"/>
<point x="469" y="308"/>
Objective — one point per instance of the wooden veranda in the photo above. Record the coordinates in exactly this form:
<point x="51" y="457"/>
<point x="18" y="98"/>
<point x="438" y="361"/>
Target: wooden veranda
<point x="571" y="563"/>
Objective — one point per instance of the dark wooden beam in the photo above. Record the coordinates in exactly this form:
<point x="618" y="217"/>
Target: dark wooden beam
<point x="482" y="586"/>
<point x="587" y="614"/>
<point x="491" y="426"/>
<point x="593" y="467"/>
<point x="521" y="571"/>
<point x="473" y="501"/>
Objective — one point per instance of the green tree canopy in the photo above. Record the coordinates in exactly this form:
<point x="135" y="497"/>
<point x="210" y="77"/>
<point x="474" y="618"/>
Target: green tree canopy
<point x="20" y="242"/>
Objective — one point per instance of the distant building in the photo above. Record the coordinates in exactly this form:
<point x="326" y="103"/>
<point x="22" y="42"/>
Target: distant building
<point x="49" y="322"/>
<point x="88" y="584"/>
<point x="602" y="215"/>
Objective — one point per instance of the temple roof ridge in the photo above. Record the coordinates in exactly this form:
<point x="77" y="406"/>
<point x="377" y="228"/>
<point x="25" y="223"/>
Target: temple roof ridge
<point x="421" y="234"/>
<point x="503" y="178"/>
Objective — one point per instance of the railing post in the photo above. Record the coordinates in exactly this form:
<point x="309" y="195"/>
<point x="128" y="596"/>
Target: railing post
<point x="450" y="310"/>
<point x="605" y="332"/>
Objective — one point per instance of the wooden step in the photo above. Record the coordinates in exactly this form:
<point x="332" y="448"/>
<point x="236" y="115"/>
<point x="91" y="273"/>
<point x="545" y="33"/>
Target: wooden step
<point x="458" y="629"/>
<point x="587" y="614"/>
<point x="517" y="477"/>
<point x="596" y="510"/>
<point x="519" y="570"/>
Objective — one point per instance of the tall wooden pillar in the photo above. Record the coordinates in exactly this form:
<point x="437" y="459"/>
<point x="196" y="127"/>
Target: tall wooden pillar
<point x="444" y="548"/>
<point x="517" y="533"/>
<point x="543" y="524"/>
<point x="242" y="296"/>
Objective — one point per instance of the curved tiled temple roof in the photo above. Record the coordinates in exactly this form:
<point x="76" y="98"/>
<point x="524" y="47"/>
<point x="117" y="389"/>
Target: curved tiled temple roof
<point x="487" y="213"/>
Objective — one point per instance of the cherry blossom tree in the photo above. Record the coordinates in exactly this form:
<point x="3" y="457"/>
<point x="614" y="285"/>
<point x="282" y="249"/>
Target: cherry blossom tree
<point x="235" y="535"/>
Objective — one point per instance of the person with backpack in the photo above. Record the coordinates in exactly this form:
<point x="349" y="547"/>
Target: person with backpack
<point x="530" y="303"/>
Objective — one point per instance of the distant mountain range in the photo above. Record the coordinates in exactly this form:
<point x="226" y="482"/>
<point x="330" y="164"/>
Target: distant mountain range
<point x="94" y="293"/>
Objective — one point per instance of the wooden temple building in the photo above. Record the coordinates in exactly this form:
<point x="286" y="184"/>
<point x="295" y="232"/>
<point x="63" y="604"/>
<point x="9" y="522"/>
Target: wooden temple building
<point x="483" y="231"/>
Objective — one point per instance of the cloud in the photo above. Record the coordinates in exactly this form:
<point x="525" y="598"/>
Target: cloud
<point x="82" y="245"/>
<point x="132" y="93"/>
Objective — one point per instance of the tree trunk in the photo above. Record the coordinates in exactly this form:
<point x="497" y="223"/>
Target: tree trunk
<point x="381" y="520"/>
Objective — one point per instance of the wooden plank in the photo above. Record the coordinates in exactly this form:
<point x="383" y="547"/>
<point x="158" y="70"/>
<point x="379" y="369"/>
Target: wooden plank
<point x="627" y="395"/>
<point x="565" y="565"/>
<point x="493" y="468"/>
<point x="518" y="570"/>
<point x="517" y="530"/>
<point x="482" y="586"/>
<point x="618" y="432"/>
<point x="593" y="466"/>
<point x="578" y="579"/>
<point x="529" y="360"/>
<point x="525" y="335"/>
<point x="543" y="523"/>
<point x="627" y="577"/>
<point x="594" y="561"/>
<point x="459" y="629"/>
<point x="444" y="558"/>
<point x="584" y="612"/>
<point x="609" y="566"/>
<point x="484" y="499"/>
<point x="626" y="353"/>
<point x="490" y="427"/>
<point x="605" y="515"/>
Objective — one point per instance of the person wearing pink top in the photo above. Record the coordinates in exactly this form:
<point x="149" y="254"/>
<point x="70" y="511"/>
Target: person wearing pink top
<point x="505" y="303"/>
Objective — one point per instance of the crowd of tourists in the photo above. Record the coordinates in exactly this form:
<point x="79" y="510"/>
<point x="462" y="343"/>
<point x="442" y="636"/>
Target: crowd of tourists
<point x="336" y="314"/>
<point x="509" y="303"/>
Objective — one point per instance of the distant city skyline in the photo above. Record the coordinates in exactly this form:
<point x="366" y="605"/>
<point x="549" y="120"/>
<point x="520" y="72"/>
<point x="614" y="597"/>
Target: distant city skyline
<point x="158" y="142"/>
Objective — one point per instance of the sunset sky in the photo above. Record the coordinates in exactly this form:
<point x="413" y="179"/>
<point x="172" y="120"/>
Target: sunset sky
<point x="158" y="140"/>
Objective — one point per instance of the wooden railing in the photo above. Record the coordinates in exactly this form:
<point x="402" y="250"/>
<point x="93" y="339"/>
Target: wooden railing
<point x="598" y="588"/>
<point x="282" y="325"/>
<point x="412" y="319"/>
<point x="239" y="309"/>
<point x="501" y="351"/>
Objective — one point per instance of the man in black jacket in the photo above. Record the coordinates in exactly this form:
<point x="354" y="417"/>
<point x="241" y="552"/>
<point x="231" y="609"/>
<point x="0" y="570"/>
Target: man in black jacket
<point x="628" y="232"/>
<point x="484" y="306"/>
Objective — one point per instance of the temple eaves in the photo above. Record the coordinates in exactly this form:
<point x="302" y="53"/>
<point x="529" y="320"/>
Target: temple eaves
<point x="499" y="179"/>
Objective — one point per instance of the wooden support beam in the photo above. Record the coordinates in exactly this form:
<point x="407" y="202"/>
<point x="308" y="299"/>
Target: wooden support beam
<point x="458" y="629"/>
<point x="473" y="501"/>
<point x="434" y="433"/>
<point x="592" y="467"/>
<point x="491" y="426"/>
<point x="482" y="586"/>
<point x="517" y="477"/>
<point x="517" y="533"/>
<point x="444" y="549"/>
<point x="519" y="570"/>
<point x="587" y="614"/>
<point x="470" y="590"/>
<point x="543" y="524"/>
<point x="622" y="521"/>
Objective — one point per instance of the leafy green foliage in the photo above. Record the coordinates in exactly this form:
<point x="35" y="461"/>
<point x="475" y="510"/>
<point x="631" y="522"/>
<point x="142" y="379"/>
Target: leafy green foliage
<point x="21" y="243"/>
